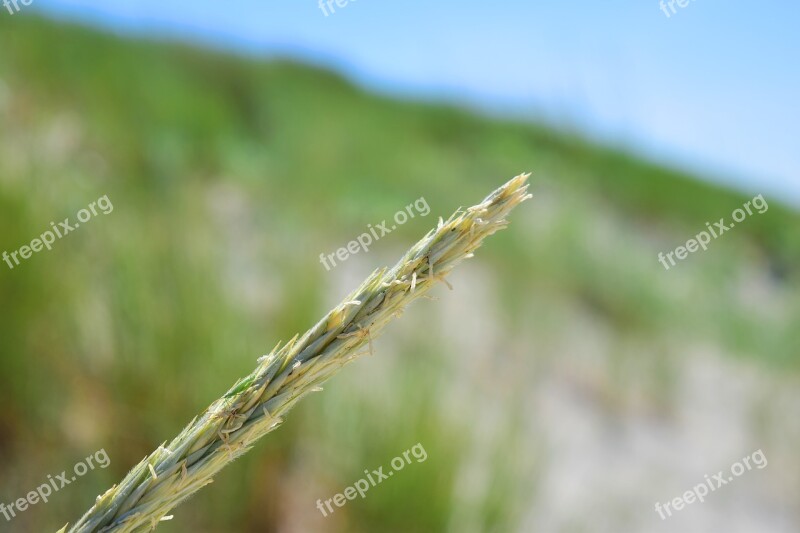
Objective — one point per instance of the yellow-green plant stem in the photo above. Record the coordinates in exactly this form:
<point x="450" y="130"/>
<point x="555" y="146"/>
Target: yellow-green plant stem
<point x="255" y="405"/>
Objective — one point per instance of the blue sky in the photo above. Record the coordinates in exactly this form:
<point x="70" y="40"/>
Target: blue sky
<point x="712" y="88"/>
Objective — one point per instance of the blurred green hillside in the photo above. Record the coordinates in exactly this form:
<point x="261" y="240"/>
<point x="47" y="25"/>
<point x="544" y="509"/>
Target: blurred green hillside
<point x="228" y="177"/>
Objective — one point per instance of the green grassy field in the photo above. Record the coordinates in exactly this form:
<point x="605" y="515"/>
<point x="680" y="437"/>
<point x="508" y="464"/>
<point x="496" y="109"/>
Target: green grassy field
<point x="228" y="177"/>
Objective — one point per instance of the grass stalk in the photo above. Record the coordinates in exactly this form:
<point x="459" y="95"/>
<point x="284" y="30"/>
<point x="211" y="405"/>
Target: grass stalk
<point x="256" y="404"/>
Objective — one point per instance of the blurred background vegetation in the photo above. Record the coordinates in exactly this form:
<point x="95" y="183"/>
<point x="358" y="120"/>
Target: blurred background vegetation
<point x="566" y="384"/>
